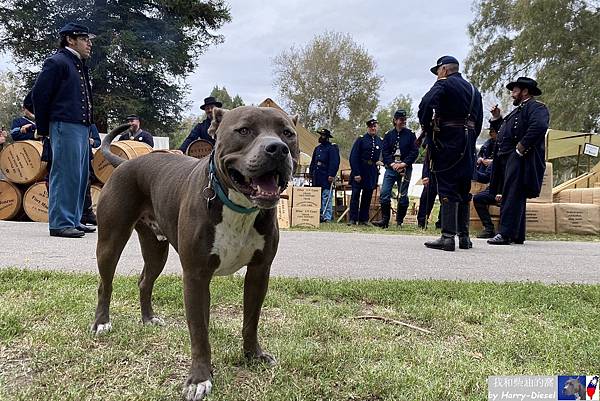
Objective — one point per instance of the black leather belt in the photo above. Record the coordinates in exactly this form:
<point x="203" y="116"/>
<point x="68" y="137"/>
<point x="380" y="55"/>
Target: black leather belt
<point x="457" y="124"/>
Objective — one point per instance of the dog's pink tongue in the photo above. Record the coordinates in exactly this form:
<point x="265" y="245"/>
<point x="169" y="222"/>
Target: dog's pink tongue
<point x="267" y="183"/>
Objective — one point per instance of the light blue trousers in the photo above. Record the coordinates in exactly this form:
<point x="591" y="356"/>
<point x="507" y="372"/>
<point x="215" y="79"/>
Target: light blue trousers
<point x="68" y="174"/>
<point x="326" y="212"/>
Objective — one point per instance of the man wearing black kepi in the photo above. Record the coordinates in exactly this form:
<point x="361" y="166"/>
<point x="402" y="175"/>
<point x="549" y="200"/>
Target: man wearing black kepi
<point x="519" y="164"/>
<point x="323" y="169"/>
<point x="200" y="131"/>
<point x="62" y="100"/>
<point x="364" y="156"/>
<point x="399" y="153"/>
<point x="135" y="133"/>
<point x="451" y="115"/>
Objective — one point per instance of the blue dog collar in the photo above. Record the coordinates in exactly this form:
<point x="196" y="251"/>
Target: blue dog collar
<point x="214" y="182"/>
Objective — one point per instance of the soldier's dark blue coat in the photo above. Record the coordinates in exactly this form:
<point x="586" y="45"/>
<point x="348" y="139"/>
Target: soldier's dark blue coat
<point x="526" y="124"/>
<point x="325" y="163"/>
<point x="62" y="92"/>
<point x="200" y="131"/>
<point x="452" y="151"/>
<point x="405" y="140"/>
<point x="140" y="136"/>
<point x="15" y="129"/>
<point x="365" y="152"/>
<point x="487" y="149"/>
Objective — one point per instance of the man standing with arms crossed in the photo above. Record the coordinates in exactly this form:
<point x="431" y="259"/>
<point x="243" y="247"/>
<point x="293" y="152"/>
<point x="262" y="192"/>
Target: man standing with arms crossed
<point x="456" y="106"/>
<point x="62" y="100"/>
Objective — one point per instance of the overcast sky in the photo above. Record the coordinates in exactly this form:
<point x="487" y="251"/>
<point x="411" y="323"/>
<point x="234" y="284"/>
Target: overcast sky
<point x="404" y="37"/>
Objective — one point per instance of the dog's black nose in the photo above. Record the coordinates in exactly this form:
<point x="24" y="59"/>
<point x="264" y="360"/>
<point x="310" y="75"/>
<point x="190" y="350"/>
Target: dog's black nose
<point x="277" y="150"/>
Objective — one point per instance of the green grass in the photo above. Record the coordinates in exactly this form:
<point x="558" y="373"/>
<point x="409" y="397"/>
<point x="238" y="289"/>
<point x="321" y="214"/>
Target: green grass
<point x="479" y="329"/>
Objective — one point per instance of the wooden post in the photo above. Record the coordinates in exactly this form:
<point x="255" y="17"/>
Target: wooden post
<point x="578" y="160"/>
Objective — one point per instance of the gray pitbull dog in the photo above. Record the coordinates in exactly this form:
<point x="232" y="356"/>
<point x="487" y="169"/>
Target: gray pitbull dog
<point x="217" y="212"/>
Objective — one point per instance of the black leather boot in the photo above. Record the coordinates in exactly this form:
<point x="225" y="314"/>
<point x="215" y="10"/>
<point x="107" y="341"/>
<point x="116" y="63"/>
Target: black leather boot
<point x="401" y="213"/>
<point x="449" y="211"/>
<point x="463" y="215"/>
<point x="385" y="216"/>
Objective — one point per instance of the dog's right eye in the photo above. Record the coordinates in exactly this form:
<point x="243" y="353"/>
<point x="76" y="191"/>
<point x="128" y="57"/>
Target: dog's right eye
<point x="243" y="131"/>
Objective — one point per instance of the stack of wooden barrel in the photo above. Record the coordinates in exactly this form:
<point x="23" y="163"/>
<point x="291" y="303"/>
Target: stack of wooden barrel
<point x="24" y="191"/>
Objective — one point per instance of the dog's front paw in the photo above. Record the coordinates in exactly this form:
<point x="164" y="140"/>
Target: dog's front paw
<point x="263" y="357"/>
<point x="155" y="320"/>
<point x="99" y="329"/>
<point x="197" y="391"/>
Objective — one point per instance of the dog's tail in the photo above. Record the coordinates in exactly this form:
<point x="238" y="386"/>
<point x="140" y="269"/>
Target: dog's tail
<point x="113" y="159"/>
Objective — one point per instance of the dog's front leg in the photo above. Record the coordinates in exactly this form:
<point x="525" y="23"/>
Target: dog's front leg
<point x="256" y="284"/>
<point x="197" y="307"/>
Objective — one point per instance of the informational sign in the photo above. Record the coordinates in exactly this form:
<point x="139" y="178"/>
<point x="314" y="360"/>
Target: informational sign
<point x="591" y="149"/>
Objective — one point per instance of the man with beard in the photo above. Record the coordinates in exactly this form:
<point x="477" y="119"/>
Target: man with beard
<point x="519" y="163"/>
<point x="323" y="169"/>
<point x="200" y="131"/>
<point x="135" y="133"/>
<point x="458" y="111"/>
<point x="62" y="102"/>
<point x="364" y="156"/>
<point x="399" y="153"/>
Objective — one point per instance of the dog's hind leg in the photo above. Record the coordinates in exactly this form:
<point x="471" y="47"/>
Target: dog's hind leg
<point x="108" y="251"/>
<point x="155" y="253"/>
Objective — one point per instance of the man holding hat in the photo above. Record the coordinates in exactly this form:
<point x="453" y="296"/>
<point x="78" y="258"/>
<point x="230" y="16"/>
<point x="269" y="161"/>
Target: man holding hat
<point x="323" y="169"/>
<point x="62" y="100"/>
<point x="519" y="163"/>
<point x="135" y="133"/>
<point x="451" y="115"/>
<point x="364" y="156"/>
<point x="399" y="153"/>
<point x="200" y="131"/>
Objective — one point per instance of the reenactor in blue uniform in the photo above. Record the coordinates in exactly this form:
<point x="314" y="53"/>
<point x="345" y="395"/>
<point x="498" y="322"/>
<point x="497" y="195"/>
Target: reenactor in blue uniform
<point x="364" y="156"/>
<point x="200" y="131"/>
<point x="135" y="133"/>
<point x="323" y="168"/>
<point x="483" y="174"/>
<point x="399" y="153"/>
<point x="451" y="114"/>
<point x="519" y="163"/>
<point x="62" y="101"/>
<point x="24" y="128"/>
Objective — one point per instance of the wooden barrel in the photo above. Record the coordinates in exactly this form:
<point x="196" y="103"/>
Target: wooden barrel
<point x="199" y="148"/>
<point x="11" y="200"/>
<point x="95" y="191"/>
<point x="35" y="202"/>
<point x="125" y="149"/>
<point x="21" y="162"/>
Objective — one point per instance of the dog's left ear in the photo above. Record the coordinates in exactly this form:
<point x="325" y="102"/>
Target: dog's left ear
<point x="218" y="114"/>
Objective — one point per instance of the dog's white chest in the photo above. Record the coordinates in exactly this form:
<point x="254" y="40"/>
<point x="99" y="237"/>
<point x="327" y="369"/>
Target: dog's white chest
<point x="236" y="240"/>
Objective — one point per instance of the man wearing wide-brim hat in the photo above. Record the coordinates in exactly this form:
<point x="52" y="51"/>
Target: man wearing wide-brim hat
<point x="62" y="100"/>
<point x="519" y="163"/>
<point x="323" y="168"/>
<point x="200" y="131"/>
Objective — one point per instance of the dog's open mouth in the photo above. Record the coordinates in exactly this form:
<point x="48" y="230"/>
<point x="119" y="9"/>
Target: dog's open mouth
<point x="264" y="187"/>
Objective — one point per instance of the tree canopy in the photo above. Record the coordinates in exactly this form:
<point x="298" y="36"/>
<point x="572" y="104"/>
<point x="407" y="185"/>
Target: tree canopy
<point x="223" y="96"/>
<point x="555" y="41"/>
<point x="331" y="82"/>
<point x="140" y="57"/>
